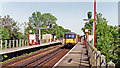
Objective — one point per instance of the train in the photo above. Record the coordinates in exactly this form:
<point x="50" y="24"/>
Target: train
<point x="71" y="39"/>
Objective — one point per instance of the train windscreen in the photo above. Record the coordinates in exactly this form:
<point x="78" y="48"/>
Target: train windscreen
<point x="69" y="36"/>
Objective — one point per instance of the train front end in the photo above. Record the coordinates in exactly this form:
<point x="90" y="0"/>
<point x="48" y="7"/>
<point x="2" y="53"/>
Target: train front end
<point x="70" y="39"/>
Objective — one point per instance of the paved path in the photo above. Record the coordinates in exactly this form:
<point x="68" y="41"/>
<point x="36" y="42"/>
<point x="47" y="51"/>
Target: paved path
<point x="76" y="58"/>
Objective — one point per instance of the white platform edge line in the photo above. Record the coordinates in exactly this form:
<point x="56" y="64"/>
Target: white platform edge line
<point x="63" y="57"/>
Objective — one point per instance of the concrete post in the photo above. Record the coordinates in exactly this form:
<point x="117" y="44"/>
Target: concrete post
<point x="9" y="43"/>
<point x="110" y="65"/>
<point x="1" y="44"/>
<point x="92" y="59"/>
<point x="103" y="65"/>
<point x="98" y="59"/>
<point x="19" y="42"/>
<point x="22" y="42"/>
<point x="95" y="59"/>
<point x="16" y="43"/>
<point x="25" y="43"/>
<point x="13" y="43"/>
<point x="5" y="44"/>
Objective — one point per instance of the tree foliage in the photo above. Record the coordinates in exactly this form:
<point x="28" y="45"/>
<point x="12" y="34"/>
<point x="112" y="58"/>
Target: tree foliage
<point x="106" y="38"/>
<point x="43" y="20"/>
<point x="10" y="28"/>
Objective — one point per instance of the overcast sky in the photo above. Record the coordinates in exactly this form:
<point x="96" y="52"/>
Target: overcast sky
<point x="69" y="14"/>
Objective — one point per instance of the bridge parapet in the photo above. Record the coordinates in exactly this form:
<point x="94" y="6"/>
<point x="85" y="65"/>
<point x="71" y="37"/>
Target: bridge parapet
<point x="96" y="59"/>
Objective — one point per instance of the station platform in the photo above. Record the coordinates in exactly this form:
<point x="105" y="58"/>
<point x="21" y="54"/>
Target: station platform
<point x="10" y="50"/>
<point x="75" y="58"/>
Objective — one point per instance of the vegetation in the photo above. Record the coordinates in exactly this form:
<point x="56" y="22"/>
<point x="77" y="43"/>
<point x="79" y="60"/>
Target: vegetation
<point x="107" y="38"/>
<point x="43" y="20"/>
<point x="10" y="29"/>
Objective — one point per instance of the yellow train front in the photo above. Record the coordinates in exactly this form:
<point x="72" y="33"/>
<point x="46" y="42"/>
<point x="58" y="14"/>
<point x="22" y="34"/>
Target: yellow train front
<point x="70" y="39"/>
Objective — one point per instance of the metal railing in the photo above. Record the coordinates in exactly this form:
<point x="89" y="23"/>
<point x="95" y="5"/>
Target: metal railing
<point x="4" y="44"/>
<point x="96" y="59"/>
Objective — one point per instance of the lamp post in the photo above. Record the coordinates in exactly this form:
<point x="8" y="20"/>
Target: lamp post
<point x="87" y="30"/>
<point x="94" y="22"/>
<point x="29" y="34"/>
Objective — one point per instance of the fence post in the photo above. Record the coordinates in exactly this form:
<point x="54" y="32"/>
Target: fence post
<point x="95" y="59"/>
<point x="92" y="59"/>
<point x="5" y="44"/>
<point x="27" y="43"/>
<point x="9" y="43"/>
<point x="103" y="64"/>
<point x="20" y="42"/>
<point x="1" y="43"/>
<point x="13" y="44"/>
<point x="110" y="65"/>
<point x="98" y="59"/>
<point x="16" y="43"/>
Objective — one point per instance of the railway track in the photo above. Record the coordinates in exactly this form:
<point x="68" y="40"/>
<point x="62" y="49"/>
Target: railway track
<point x="39" y="59"/>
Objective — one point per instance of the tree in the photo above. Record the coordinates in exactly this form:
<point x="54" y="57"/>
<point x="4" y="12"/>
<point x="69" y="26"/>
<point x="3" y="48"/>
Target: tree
<point x="11" y="26"/>
<point x="89" y="14"/>
<point x="106" y="38"/>
<point x="4" y="33"/>
<point x="89" y="24"/>
<point x="48" y="19"/>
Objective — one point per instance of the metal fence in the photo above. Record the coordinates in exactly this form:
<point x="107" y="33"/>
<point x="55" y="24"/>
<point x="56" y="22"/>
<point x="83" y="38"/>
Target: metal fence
<point x="4" y="44"/>
<point x="96" y="59"/>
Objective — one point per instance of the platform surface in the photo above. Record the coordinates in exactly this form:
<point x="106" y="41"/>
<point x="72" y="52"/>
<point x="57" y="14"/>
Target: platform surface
<point x="75" y="58"/>
<point x="10" y="50"/>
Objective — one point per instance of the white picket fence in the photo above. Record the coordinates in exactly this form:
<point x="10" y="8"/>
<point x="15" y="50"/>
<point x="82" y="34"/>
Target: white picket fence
<point x="96" y="59"/>
<point x="4" y="44"/>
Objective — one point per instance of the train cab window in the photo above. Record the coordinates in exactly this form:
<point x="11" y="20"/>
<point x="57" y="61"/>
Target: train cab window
<point x="69" y="36"/>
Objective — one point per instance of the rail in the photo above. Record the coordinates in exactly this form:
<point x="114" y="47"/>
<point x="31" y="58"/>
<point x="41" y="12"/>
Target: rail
<point x="96" y="59"/>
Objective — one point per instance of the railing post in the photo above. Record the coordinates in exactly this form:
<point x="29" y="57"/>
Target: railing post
<point x="9" y="43"/>
<point x="5" y="44"/>
<point x="103" y="64"/>
<point x="98" y="59"/>
<point x="1" y="44"/>
<point x="110" y="65"/>
<point x="16" y="43"/>
<point x="13" y="44"/>
<point x="92" y="59"/>
<point x="19" y="42"/>
<point x="25" y="42"/>
<point x="22" y="42"/>
<point x="95" y="59"/>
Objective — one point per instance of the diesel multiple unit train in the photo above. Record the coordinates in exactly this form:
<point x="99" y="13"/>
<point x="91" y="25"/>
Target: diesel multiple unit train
<point x="70" y="39"/>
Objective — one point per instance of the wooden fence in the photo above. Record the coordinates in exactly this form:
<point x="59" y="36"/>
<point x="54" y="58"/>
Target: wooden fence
<point x="4" y="44"/>
<point x="96" y="59"/>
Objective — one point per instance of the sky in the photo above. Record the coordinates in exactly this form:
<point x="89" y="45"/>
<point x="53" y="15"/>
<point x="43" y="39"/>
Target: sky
<point x="69" y="14"/>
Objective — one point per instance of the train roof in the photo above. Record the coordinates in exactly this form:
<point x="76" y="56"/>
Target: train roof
<point x="70" y="33"/>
